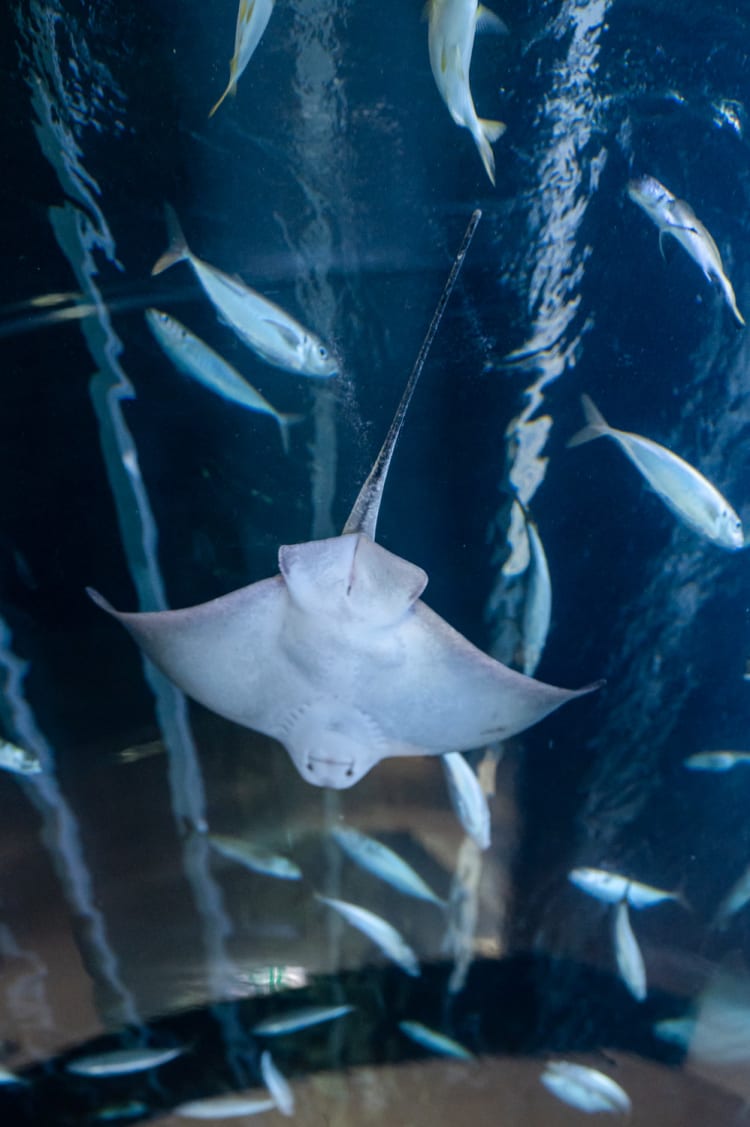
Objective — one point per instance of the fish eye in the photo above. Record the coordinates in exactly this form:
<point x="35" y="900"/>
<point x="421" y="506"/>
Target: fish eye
<point x="322" y="352"/>
<point x="349" y="772"/>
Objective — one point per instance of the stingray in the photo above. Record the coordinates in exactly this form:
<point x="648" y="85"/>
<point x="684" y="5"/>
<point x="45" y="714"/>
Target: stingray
<point x="337" y="657"/>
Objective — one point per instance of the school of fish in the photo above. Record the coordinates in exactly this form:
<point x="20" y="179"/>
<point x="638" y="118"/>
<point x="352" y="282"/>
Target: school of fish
<point x="281" y="342"/>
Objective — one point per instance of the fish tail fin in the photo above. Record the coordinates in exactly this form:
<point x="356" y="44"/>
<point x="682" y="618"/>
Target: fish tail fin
<point x="487" y="21"/>
<point x="177" y="249"/>
<point x="682" y="900"/>
<point x="285" y="422"/>
<point x="486" y="133"/>
<point x="731" y="300"/>
<point x="492" y="130"/>
<point x="486" y="153"/>
<point x="596" y="424"/>
<point x="230" y="90"/>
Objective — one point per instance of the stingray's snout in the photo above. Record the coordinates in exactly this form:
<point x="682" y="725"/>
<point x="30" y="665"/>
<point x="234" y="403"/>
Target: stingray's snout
<point x="332" y="743"/>
<point x="324" y="771"/>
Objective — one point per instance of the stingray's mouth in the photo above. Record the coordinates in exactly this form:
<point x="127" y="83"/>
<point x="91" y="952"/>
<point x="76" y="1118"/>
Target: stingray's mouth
<point x="344" y="765"/>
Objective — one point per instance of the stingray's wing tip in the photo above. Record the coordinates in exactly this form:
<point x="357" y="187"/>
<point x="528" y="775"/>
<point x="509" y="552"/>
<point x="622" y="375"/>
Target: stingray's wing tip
<point x="593" y="687"/>
<point x="100" y="601"/>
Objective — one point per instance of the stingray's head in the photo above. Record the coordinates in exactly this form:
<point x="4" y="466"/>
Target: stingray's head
<point x="350" y="578"/>
<point x="332" y="745"/>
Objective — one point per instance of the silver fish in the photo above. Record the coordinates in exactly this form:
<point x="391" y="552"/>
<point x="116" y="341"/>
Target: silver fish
<point x="260" y="324"/>
<point x="676" y="1030"/>
<point x="585" y="1088"/>
<point x="224" y="1107"/>
<point x="295" y="1020"/>
<point x="467" y="797"/>
<point x="118" y="1113"/>
<point x="716" y="760"/>
<point x="735" y="900"/>
<point x="255" y="857"/>
<point x="279" y="1087"/>
<point x="252" y="20"/>
<point x="194" y="357"/>
<point x="382" y="862"/>
<point x="689" y="495"/>
<point x="18" y="760"/>
<point x="8" y="1078"/>
<point x="121" y="1062"/>
<point x="451" y="30"/>
<point x="612" y="887"/>
<point x="382" y="934"/>
<point x="677" y="218"/>
<point x="436" y="1042"/>
<point x="140" y="751"/>
<point x="537" y="608"/>
<point x="627" y="953"/>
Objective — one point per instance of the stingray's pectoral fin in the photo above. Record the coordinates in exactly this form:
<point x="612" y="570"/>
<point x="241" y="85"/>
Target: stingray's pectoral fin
<point x="500" y="731"/>
<point x="592" y="688"/>
<point x="211" y="651"/>
<point x="101" y="601"/>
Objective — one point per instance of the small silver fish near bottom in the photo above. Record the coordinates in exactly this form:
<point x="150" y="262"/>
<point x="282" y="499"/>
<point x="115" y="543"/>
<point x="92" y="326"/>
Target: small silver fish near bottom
<point x="585" y="1088"/>
<point x="121" y="1062"/>
<point x="434" y="1041"/>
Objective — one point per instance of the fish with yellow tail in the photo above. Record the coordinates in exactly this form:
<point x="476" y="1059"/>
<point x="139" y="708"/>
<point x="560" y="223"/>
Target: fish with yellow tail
<point x="252" y="20"/>
<point x="194" y="357"/>
<point x="262" y="325"/>
<point x="627" y="952"/>
<point x="451" y="30"/>
<point x="677" y="218"/>
<point x="684" y="490"/>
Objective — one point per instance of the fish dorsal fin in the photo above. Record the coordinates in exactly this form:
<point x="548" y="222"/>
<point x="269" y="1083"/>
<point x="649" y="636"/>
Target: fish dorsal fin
<point x="487" y="23"/>
<point x="235" y="283"/>
<point x="364" y="514"/>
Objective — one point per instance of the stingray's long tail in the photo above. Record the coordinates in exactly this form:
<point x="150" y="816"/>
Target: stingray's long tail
<point x="364" y="515"/>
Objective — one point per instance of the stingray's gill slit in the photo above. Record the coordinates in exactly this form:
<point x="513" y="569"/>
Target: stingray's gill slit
<point x="337" y="657"/>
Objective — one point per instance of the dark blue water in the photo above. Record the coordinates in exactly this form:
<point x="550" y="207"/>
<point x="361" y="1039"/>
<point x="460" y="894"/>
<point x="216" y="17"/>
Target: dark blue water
<point x="336" y="184"/>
